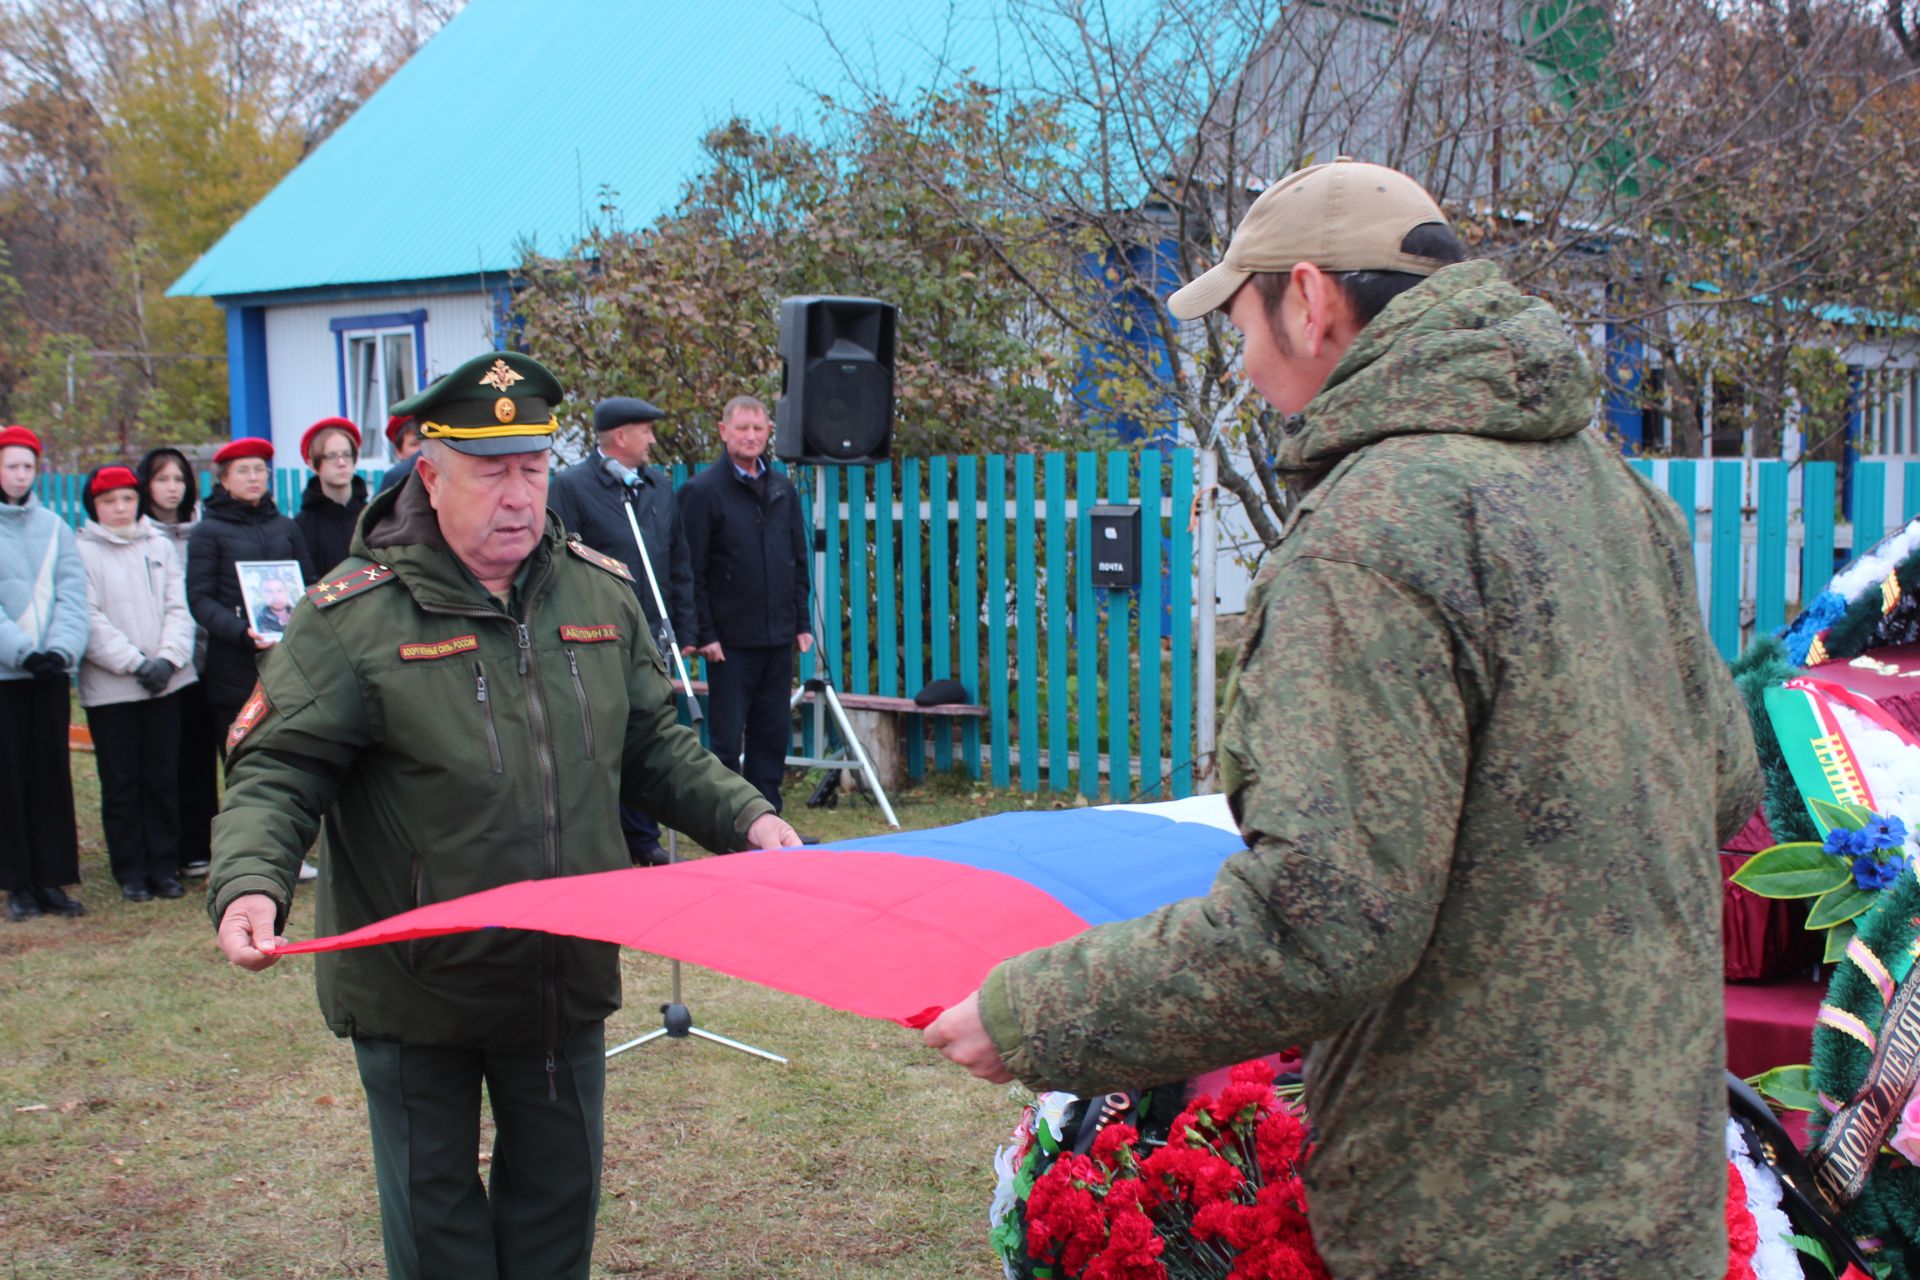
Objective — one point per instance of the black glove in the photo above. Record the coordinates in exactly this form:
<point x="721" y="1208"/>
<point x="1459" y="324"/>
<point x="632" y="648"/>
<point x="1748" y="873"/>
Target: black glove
<point x="45" y="664"/>
<point x="153" y="674"/>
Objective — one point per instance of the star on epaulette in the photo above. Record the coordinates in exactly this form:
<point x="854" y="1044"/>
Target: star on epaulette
<point x="324" y="594"/>
<point x="599" y="560"/>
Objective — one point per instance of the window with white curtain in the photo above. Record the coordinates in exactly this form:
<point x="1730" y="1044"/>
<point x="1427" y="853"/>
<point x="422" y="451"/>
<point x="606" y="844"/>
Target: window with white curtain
<point x="381" y="371"/>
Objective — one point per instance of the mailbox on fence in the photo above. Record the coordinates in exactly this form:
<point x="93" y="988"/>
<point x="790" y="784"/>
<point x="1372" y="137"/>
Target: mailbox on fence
<point x="1116" y="545"/>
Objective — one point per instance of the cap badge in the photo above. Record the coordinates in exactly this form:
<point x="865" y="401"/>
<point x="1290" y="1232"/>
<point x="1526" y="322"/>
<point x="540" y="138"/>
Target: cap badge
<point x="503" y="409"/>
<point x="500" y="377"/>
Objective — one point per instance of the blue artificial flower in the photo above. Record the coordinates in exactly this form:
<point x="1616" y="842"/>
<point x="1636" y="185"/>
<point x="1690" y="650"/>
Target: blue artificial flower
<point x="1871" y="875"/>
<point x="1840" y="843"/>
<point x="1886" y="833"/>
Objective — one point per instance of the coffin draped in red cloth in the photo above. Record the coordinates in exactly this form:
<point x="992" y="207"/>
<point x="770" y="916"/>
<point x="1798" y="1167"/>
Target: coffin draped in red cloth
<point x="1763" y="937"/>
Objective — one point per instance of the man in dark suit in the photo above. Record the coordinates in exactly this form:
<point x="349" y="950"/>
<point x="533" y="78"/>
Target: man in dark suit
<point x="749" y="550"/>
<point x="592" y="498"/>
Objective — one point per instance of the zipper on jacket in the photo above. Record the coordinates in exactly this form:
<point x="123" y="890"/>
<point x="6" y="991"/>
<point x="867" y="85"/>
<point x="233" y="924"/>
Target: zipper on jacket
<point x="413" y="880"/>
<point x="580" y="695"/>
<point x="549" y="782"/>
<point x="550" y="794"/>
<point x="486" y="711"/>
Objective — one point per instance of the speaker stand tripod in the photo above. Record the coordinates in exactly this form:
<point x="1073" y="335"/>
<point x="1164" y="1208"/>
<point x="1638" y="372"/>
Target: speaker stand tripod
<point x="820" y="685"/>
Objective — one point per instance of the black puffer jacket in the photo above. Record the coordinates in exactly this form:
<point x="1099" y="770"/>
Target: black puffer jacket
<point x="328" y="525"/>
<point x="228" y="533"/>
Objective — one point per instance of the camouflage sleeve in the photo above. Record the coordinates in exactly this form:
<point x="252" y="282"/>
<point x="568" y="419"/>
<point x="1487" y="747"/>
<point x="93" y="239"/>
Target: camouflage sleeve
<point x="1345" y="752"/>
<point x="286" y="757"/>
<point x="1741" y="785"/>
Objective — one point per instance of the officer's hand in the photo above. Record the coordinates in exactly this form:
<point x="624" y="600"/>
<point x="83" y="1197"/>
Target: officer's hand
<point x="259" y="641"/>
<point x="805" y="641"/>
<point x="770" y="831"/>
<point x="962" y="1037"/>
<point x="246" y="932"/>
<point x="712" y="652"/>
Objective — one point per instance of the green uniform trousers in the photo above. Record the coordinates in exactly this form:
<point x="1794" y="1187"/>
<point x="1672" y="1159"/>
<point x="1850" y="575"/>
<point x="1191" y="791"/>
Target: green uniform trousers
<point x="534" y="1219"/>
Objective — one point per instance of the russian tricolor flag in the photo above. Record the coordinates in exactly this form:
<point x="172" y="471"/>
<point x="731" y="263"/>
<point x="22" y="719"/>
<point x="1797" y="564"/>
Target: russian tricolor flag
<point x="897" y="926"/>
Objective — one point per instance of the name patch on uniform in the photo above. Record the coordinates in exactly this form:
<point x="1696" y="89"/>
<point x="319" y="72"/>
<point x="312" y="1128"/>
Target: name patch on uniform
<point x="438" y="648"/>
<point x="590" y="635"/>
<point x="250" y="715"/>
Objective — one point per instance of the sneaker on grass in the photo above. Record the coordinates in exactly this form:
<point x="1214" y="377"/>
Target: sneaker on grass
<point x="308" y="872"/>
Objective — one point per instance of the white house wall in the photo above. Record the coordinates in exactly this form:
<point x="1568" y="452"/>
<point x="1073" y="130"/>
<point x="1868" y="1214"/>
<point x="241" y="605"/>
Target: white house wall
<point x="303" y="353"/>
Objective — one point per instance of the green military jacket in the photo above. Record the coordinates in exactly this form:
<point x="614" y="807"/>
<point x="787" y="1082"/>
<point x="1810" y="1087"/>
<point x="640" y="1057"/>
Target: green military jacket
<point x="441" y="745"/>
<point x="1482" y="753"/>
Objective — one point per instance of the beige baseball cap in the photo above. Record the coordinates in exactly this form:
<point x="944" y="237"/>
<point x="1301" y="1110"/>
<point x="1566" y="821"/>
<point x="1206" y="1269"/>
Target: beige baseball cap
<point x="1343" y="216"/>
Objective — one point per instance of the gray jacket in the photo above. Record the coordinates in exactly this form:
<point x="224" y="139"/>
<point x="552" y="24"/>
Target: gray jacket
<point x="43" y="588"/>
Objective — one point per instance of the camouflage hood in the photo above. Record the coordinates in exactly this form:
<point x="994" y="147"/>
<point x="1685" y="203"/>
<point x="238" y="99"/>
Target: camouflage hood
<point x="1463" y="353"/>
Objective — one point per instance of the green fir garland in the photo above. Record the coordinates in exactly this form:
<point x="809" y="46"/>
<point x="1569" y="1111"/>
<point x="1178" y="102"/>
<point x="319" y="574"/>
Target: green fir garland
<point x="1858" y="629"/>
<point x="1763" y="665"/>
<point x="1888" y="1209"/>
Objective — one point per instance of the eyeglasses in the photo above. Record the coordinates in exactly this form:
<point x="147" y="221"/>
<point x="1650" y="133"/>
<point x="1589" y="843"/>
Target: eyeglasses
<point x="337" y="456"/>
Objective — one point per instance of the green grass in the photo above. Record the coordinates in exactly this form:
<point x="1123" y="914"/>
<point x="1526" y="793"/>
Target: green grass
<point x="202" y="1122"/>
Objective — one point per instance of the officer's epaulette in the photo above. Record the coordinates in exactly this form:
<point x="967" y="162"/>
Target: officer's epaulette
<point x="324" y="595"/>
<point x="599" y="561"/>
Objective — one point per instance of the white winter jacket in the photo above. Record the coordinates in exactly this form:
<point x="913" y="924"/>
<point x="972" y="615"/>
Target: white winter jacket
<point x="136" y="608"/>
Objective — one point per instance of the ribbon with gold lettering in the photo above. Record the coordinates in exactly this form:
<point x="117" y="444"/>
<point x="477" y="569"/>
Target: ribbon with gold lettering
<point x="1855" y="1134"/>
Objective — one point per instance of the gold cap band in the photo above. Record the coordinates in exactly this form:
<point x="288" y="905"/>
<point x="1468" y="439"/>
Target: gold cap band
<point x="440" y="430"/>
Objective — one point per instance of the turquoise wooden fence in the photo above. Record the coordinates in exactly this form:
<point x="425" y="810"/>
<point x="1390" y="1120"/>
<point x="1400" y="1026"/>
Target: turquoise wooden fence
<point x="1767" y="537"/>
<point x="970" y="568"/>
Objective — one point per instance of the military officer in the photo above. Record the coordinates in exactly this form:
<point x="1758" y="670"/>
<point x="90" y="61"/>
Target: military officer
<point x="466" y="703"/>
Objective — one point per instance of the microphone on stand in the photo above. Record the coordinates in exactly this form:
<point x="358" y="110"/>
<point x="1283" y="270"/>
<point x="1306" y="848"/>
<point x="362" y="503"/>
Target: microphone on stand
<point x="629" y="479"/>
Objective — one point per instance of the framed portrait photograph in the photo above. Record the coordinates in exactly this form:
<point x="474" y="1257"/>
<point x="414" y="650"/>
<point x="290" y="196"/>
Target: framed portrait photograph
<point x="270" y="589"/>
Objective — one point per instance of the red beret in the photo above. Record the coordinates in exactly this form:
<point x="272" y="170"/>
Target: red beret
<point x="328" y="424"/>
<point x="107" y="479"/>
<point x="245" y="447"/>
<point x="395" y="425"/>
<point x="20" y="436"/>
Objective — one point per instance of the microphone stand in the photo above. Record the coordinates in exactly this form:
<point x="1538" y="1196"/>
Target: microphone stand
<point x="676" y="1020"/>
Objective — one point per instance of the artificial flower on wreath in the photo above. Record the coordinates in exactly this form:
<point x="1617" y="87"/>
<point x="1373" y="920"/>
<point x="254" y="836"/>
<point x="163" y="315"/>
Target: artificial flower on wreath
<point x="1863" y="853"/>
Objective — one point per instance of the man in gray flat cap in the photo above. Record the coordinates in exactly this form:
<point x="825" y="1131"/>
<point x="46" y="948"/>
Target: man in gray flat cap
<point x="592" y="498"/>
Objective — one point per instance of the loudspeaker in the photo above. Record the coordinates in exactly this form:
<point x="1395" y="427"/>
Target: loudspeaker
<point x="836" y="381"/>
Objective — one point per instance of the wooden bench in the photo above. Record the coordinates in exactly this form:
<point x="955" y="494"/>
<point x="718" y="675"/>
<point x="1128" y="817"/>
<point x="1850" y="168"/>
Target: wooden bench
<point x="885" y="702"/>
<point x="877" y="720"/>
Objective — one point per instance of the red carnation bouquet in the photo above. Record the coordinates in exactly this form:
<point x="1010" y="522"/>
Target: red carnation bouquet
<point x="1220" y="1200"/>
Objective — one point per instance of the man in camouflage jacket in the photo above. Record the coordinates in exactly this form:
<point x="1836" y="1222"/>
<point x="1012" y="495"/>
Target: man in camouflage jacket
<point x="1482" y="753"/>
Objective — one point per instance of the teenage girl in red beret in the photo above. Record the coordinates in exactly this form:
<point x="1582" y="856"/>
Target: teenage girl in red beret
<point x="240" y="522"/>
<point x="336" y="495"/>
<point x="43" y="633"/>
<point x="139" y="658"/>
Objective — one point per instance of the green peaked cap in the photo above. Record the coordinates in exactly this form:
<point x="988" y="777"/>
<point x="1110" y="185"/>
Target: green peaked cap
<point x="500" y="402"/>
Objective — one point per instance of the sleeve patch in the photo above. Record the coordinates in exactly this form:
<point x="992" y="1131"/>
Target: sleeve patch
<point x="590" y="635"/>
<point x="599" y="560"/>
<point x="251" y="714"/>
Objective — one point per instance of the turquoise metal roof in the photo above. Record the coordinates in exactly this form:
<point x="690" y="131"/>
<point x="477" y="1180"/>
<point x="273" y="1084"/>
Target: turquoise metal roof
<point x="506" y="126"/>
